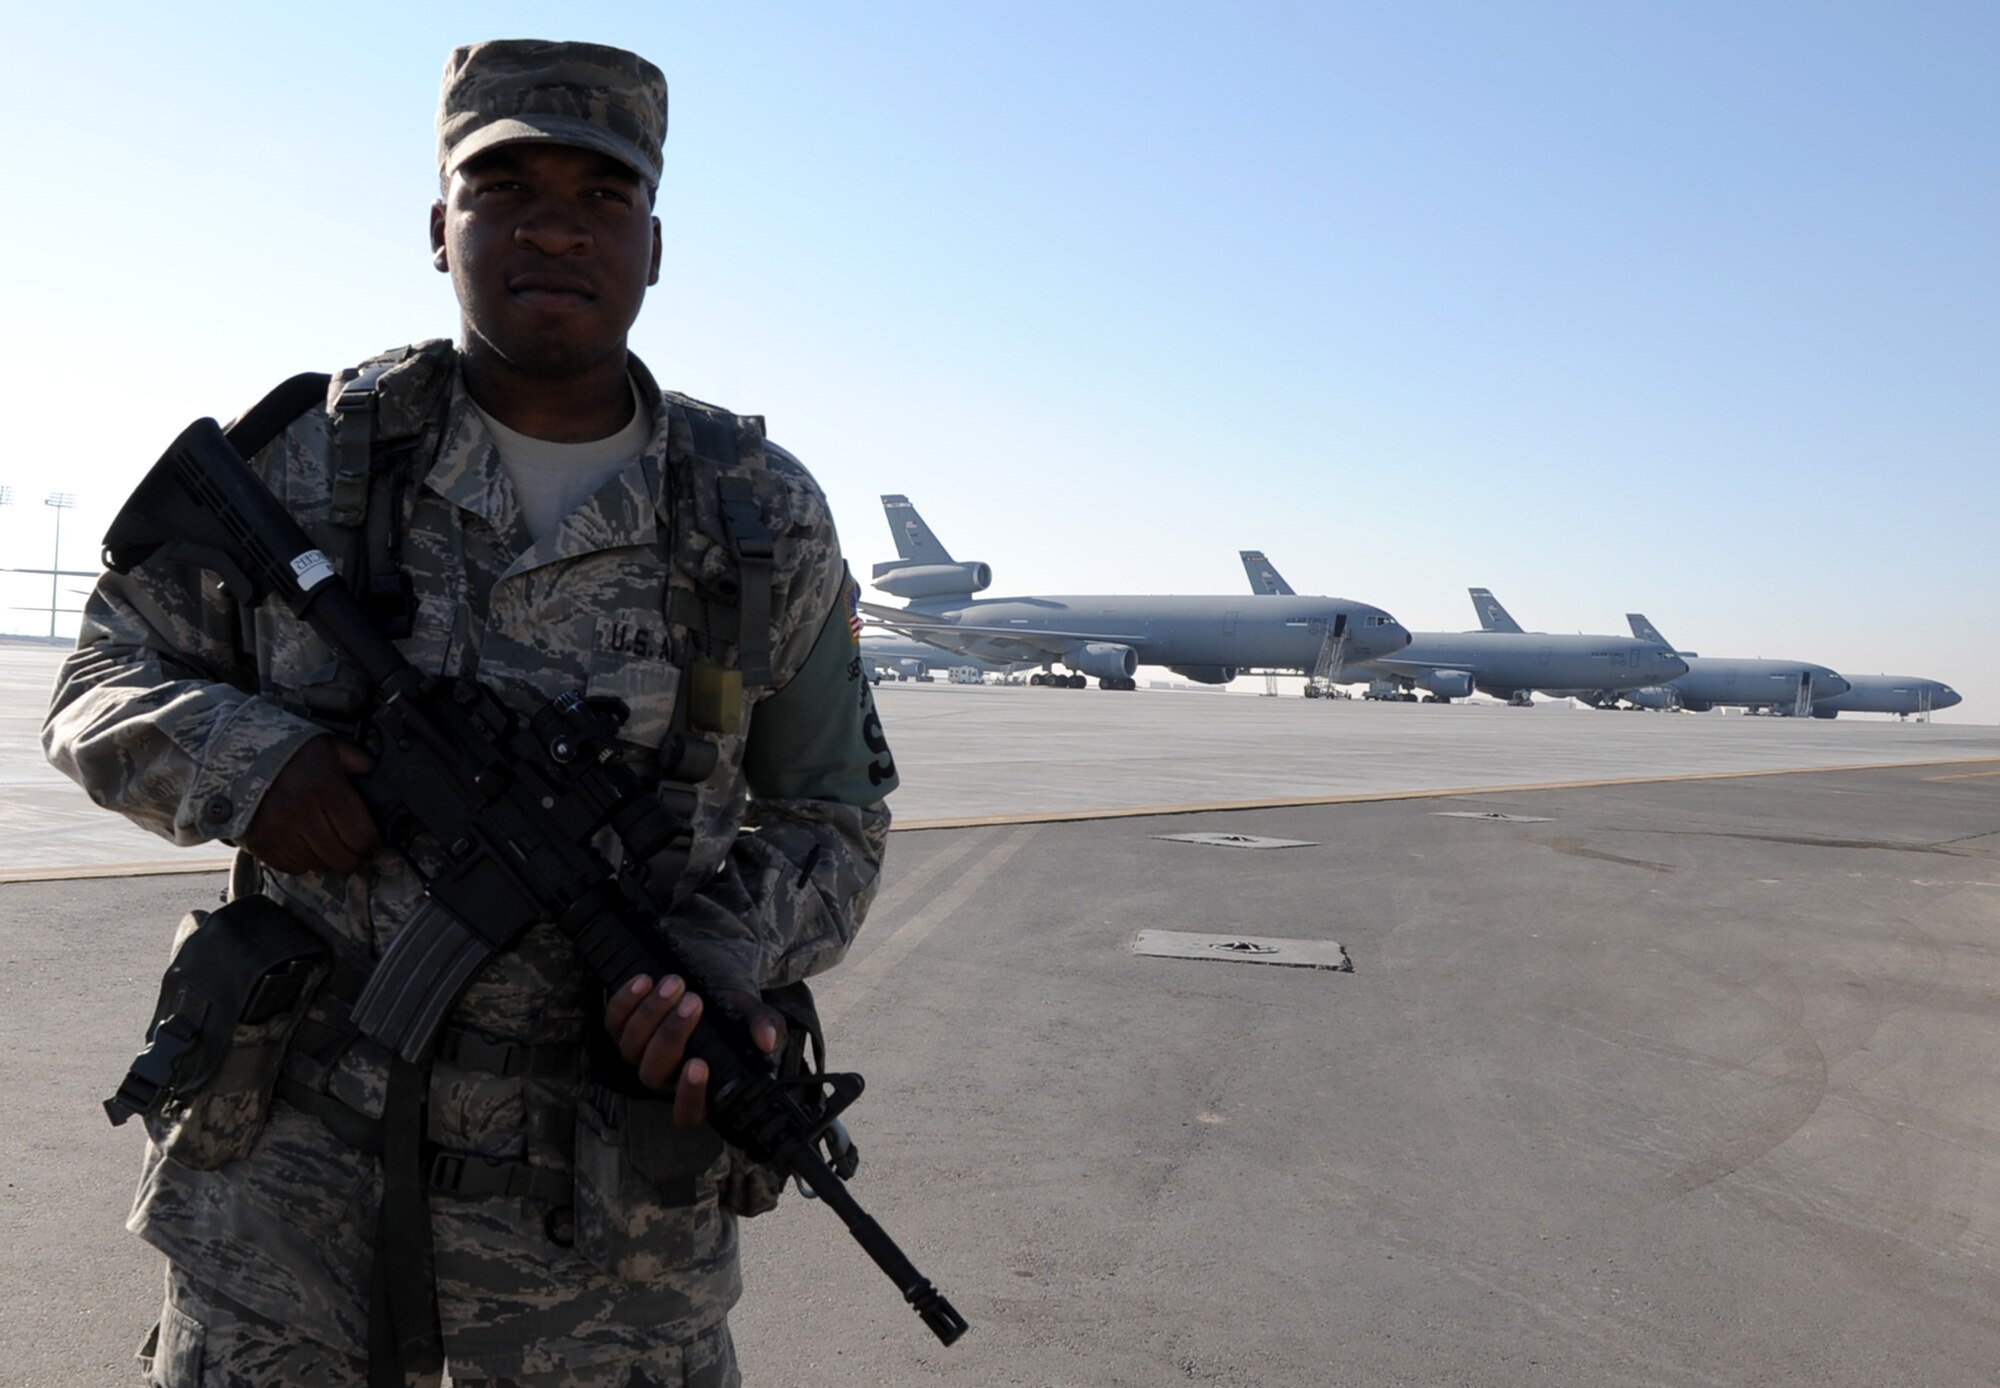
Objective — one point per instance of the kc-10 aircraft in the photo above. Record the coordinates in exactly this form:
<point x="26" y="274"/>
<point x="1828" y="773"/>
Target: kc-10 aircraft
<point x="1507" y="663"/>
<point x="1789" y="688"/>
<point x="1206" y="639"/>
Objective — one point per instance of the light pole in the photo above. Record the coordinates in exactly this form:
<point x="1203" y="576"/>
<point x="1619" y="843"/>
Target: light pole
<point x="61" y="502"/>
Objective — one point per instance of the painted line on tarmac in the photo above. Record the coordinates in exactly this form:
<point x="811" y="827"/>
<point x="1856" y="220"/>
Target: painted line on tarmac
<point x="919" y="879"/>
<point x="842" y="990"/>
<point x="164" y="867"/>
<point x="78" y="871"/>
<point x="1287" y="802"/>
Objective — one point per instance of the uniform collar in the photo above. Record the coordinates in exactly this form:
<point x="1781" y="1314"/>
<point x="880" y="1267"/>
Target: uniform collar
<point x="625" y="511"/>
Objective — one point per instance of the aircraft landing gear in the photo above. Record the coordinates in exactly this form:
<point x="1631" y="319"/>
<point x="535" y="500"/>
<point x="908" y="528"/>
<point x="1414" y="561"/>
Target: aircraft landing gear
<point x="1118" y="683"/>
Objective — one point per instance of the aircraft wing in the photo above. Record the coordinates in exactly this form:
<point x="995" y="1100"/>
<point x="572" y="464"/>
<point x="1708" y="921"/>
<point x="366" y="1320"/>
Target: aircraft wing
<point x="992" y="642"/>
<point x="1409" y="667"/>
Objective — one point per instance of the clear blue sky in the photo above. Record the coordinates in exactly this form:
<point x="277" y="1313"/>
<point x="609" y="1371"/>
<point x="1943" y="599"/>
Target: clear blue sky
<point x="1688" y="309"/>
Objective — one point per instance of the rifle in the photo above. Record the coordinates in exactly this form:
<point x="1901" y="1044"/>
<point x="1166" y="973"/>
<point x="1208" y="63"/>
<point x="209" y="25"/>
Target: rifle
<point x="502" y="811"/>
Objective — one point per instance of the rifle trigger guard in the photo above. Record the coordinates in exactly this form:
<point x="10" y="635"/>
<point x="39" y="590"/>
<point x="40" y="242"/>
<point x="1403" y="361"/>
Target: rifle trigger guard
<point x="825" y="1096"/>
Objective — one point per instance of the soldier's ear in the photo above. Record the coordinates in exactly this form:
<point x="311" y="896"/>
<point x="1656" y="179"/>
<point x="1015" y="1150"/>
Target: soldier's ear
<point x="653" y="269"/>
<point x="443" y="262"/>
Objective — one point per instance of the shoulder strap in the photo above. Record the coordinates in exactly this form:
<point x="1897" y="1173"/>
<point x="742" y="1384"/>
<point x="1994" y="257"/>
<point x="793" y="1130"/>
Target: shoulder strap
<point x="373" y="448"/>
<point x="257" y="426"/>
<point x="354" y="439"/>
<point x="750" y="544"/>
<point x="726" y="456"/>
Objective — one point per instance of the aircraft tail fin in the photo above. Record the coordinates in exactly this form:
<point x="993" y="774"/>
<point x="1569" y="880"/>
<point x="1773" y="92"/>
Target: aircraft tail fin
<point x="1645" y="630"/>
<point x="1264" y="578"/>
<point x="1492" y="616"/>
<point x="914" y="540"/>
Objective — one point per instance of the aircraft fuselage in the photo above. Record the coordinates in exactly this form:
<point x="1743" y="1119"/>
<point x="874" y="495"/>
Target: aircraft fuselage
<point x="1725" y="682"/>
<point x="1506" y="664"/>
<point x="1888" y="694"/>
<point x="1246" y="632"/>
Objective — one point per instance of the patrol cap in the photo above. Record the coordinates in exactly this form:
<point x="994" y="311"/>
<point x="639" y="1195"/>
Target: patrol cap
<point x="507" y="91"/>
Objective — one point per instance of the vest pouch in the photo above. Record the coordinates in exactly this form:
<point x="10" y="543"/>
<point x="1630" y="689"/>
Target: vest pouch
<point x="233" y="994"/>
<point x="750" y="1187"/>
<point x="646" y="1203"/>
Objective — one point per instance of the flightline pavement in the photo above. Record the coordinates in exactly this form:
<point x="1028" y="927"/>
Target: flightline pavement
<point x="971" y="755"/>
<point x="1676" y="1082"/>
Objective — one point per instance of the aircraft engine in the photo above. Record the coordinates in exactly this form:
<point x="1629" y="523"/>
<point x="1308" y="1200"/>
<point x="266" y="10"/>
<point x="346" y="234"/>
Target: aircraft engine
<point x="1205" y="674"/>
<point x="1104" y="660"/>
<point x="1654" y="697"/>
<point x="1447" y="684"/>
<point x="933" y="580"/>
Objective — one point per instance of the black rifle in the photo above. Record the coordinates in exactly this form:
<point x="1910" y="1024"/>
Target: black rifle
<point x="500" y="813"/>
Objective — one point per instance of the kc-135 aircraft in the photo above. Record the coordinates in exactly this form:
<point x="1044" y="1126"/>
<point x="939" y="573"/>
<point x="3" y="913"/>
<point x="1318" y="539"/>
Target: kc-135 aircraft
<point x="1209" y="640"/>
<point x="1506" y="663"/>
<point x="1789" y="688"/>
<point x="1898" y="694"/>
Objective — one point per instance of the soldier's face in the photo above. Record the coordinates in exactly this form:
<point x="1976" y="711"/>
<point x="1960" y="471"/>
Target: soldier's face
<point x="550" y="249"/>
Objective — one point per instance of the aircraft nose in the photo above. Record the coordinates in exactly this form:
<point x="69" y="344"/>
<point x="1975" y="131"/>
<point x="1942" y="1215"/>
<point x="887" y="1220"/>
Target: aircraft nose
<point x="1945" y="697"/>
<point x="1827" y="685"/>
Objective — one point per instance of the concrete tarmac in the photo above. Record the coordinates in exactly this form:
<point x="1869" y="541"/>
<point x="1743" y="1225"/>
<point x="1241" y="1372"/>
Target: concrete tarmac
<point x="1676" y="1084"/>
<point x="972" y="752"/>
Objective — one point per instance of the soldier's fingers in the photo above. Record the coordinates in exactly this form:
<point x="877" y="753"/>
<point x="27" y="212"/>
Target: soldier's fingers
<point x="275" y="852"/>
<point x="766" y="1024"/>
<point x="644" y="1020"/>
<point x="352" y="756"/>
<point x="663" y="1053"/>
<point x="347" y="815"/>
<point x="623" y="1002"/>
<point x="767" y="1029"/>
<point x="324" y="842"/>
<point x="691" y="1095"/>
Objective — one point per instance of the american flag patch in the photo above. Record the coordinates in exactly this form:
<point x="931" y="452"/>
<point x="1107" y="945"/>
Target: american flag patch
<point x="854" y="611"/>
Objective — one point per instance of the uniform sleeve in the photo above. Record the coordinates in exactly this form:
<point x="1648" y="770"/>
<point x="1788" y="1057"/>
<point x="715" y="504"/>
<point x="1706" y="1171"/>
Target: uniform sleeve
<point x="798" y="880"/>
<point x="153" y="713"/>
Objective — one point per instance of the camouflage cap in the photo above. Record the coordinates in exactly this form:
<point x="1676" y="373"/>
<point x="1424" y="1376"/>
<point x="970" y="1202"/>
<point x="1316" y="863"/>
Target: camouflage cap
<point x="510" y="90"/>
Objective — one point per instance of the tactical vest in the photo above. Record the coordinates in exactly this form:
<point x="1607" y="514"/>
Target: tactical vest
<point x="387" y="419"/>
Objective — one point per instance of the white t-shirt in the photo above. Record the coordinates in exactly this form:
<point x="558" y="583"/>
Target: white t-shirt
<point x="550" y="480"/>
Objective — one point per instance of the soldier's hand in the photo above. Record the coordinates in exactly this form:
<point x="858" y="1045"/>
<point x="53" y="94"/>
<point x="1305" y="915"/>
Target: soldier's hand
<point x="312" y="819"/>
<point x="652" y="1025"/>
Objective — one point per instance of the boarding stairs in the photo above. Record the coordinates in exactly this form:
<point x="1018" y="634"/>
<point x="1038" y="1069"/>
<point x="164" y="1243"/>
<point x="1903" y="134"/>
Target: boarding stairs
<point x="1327" y="669"/>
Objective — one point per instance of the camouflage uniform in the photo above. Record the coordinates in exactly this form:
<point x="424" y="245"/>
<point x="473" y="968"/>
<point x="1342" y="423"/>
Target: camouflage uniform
<point x="178" y="710"/>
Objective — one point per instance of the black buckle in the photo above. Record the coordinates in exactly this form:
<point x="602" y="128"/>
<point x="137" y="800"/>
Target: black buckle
<point x="749" y="537"/>
<point x="145" y="1084"/>
<point x="446" y="1171"/>
<point x="391" y="603"/>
